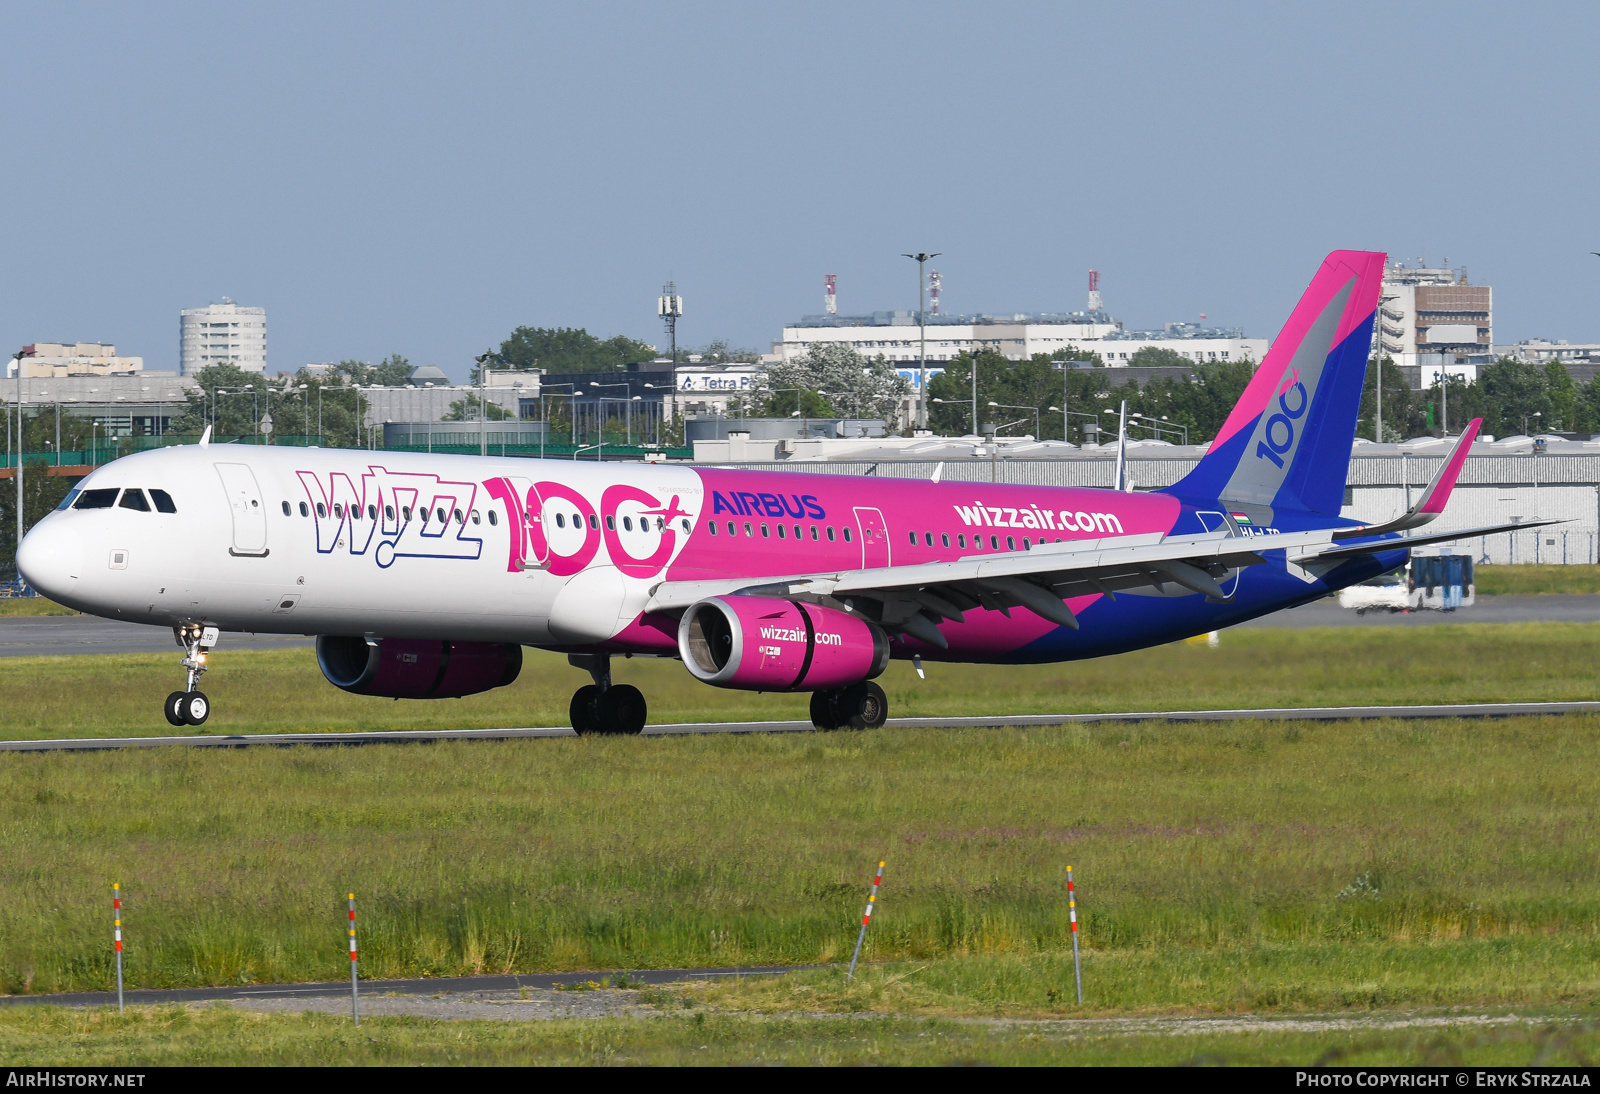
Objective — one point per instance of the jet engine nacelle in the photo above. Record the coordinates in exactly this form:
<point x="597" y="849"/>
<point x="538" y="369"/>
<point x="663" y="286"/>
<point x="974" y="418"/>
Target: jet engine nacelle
<point x="760" y="643"/>
<point x="416" y="668"/>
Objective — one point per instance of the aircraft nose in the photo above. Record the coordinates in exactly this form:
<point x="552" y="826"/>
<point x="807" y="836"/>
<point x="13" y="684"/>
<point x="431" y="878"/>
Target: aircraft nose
<point x="51" y="558"/>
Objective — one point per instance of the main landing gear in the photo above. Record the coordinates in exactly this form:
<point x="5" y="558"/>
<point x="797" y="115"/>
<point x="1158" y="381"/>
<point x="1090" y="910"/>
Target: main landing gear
<point x="190" y="707"/>
<point x="604" y="707"/>
<point x="859" y="706"/>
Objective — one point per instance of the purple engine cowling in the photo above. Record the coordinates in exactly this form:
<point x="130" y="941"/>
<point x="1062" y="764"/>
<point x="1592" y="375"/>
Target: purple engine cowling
<point x="416" y="668"/>
<point x="760" y="643"/>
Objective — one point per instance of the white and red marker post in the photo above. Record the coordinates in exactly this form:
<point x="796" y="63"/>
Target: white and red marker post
<point x="1072" y="913"/>
<point x="116" y="934"/>
<point x="355" y="1007"/>
<point x="866" y="918"/>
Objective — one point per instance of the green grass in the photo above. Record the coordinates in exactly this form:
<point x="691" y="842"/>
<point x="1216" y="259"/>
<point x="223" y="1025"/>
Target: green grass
<point x="32" y="605"/>
<point x="1225" y="867"/>
<point x="1536" y="578"/>
<point x="218" y="1035"/>
<point x="282" y="690"/>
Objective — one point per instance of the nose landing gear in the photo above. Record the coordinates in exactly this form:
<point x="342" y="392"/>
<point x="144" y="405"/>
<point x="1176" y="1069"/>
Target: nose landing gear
<point x="859" y="706"/>
<point x="190" y="707"/>
<point x="604" y="707"/>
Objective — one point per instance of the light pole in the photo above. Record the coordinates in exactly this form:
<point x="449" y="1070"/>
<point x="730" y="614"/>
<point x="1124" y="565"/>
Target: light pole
<point x="16" y="359"/>
<point x="1525" y="417"/>
<point x="572" y="407"/>
<point x="921" y="258"/>
<point x="1006" y="406"/>
<point x="1161" y="425"/>
<point x="604" y="400"/>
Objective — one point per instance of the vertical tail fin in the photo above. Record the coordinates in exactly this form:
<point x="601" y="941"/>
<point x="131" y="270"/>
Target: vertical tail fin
<point x="1287" y="443"/>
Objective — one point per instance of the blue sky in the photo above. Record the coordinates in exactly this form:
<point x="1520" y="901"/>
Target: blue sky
<point x="422" y="178"/>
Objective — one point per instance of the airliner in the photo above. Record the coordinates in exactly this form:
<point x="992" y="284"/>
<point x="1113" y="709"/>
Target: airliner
<point x="424" y="576"/>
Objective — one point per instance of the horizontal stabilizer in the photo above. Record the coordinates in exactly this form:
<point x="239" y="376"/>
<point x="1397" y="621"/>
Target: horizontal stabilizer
<point x="1379" y="546"/>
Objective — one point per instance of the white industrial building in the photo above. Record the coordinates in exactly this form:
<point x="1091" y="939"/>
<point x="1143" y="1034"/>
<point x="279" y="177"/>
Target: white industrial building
<point x="225" y="333"/>
<point x="59" y="359"/>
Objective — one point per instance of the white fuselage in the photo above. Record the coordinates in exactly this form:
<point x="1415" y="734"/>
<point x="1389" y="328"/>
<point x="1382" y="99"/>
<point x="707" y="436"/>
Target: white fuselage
<point x="313" y="541"/>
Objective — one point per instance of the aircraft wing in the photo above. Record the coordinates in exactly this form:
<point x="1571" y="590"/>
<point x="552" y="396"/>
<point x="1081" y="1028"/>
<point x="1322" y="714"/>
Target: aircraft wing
<point x="915" y="598"/>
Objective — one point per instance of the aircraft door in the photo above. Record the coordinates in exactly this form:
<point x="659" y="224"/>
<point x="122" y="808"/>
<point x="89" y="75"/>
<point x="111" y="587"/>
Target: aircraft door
<point x="874" y="538"/>
<point x="249" y="514"/>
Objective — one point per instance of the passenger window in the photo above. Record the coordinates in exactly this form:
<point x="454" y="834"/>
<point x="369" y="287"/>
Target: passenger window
<point x="781" y="534"/>
<point x="96" y="499"/>
<point x="927" y="539"/>
<point x="847" y="535"/>
<point x="961" y="540"/>
<point x="441" y="514"/>
<point x="338" y="511"/>
<point x="163" y="501"/>
<point x="913" y="539"/>
<point x="66" y="502"/>
<point x="475" y="518"/>
<point x="372" y="512"/>
<point x="627" y="523"/>
<point x="286" y="510"/>
<point x="830" y="533"/>
<point x="731" y="531"/>
<point x="305" y="510"/>
<point x="405" y="512"/>
<point x="134" y="499"/>
<point x="685" y="522"/>
<point x="813" y="531"/>
<point x="764" y="534"/>
<point x="796" y="531"/>
<point x="994" y="543"/>
<point x="1011" y="543"/>
<point x="322" y="510"/>
<point x="494" y="519"/>
<point x="423" y="513"/>
<point x="594" y="521"/>
<point x="944" y="539"/>
<point x="388" y="512"/>
<point x="460" y="517"/>
<point x="1027" y="544"/>
<point x="747" y="529"/>
<point x="713" y="527"/>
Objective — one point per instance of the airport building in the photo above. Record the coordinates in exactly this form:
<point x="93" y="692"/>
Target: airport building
<point x="225" y="333"/>
<point x="61" y="359"/>
<point x="1432" y="319"/>
<point x="130" y="404"/>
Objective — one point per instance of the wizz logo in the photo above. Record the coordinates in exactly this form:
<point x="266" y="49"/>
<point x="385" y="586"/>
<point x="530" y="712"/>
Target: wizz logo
<point x="393" y="515"/>
<point x="1280" y="430"/>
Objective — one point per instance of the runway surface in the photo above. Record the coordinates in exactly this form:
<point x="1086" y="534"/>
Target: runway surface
<point x="426" y="736"/>
<point x="537" y="981"/>
<point x="1555" y="608"/>
<point x="56" y="635"/>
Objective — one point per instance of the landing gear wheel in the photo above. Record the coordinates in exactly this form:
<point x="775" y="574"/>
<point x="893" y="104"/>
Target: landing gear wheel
<point x="196" y="708"/>
<point x="582" y="711"/>
<point x="174" y="708"/>
<point x="622" y="709"/>
<point x="864" y="705"/>
<point x="822" y="712"/>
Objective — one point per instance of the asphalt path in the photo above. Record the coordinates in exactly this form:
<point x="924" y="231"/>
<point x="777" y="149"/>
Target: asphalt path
<point x="56" y="635"/>
<point x="999" y="721"/>
<point x="538" y="981"/>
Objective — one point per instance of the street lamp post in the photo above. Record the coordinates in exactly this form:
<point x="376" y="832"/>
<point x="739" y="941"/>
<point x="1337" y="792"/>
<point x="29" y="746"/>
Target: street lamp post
<point x="921" y="258"/>
<point x="1006" y="406"/>
<point x="603" y="401"/>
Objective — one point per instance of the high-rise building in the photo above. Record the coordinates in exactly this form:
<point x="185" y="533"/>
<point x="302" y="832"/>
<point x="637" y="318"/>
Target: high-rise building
<point x="224" y="333"/>
<point x="1433" y="318"/>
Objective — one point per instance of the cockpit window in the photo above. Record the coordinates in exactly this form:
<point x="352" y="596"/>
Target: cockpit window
<point x="163" y="501"/>
<point x="96" y="499"/>
<point x="66" y="502"/>
<point x="134" y="499"/>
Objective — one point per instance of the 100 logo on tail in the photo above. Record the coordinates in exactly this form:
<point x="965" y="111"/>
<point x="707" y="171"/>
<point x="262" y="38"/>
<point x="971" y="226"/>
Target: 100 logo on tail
<point x="1272" y="448"/>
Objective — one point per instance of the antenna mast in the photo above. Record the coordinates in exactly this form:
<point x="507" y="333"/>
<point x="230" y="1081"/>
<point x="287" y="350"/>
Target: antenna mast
<point x="1094" y="291"/>
<point x="670" y="307"/>
<point x="935" y="282"/>
<point x="829" y="300"/>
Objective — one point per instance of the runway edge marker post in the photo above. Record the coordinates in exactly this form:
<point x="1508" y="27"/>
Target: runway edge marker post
<point x="1072" y="914"/>
<point x="116" y="934"/>
<point x="866" y="918"/>
<point x="355" y="1007"/>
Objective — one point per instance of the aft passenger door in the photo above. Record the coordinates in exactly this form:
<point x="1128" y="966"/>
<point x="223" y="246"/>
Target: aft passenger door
<point x="874" y="538"/>
<point x="249" y="514"/>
